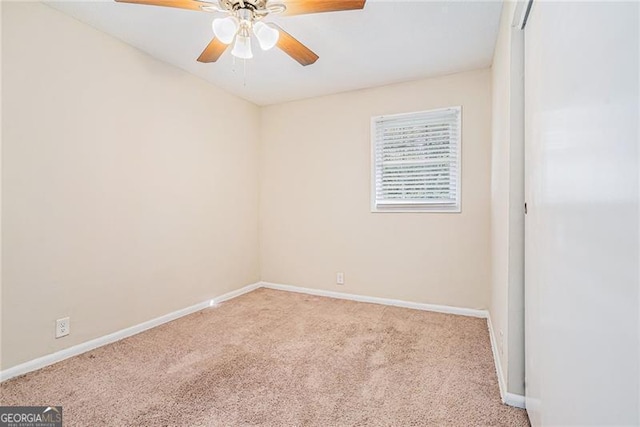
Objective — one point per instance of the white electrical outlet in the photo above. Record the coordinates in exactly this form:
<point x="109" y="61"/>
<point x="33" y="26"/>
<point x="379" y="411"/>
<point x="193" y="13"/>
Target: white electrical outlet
<point x="63" y="327"/>
<point x="501" y="343"/>
<point x="340" y="278"/>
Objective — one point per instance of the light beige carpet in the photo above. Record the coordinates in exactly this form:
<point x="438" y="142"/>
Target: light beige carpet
<point x="282" y="359"/>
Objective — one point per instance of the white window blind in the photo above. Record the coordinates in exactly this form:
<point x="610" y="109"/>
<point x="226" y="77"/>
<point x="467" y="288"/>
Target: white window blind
<point x="416" y="161"/>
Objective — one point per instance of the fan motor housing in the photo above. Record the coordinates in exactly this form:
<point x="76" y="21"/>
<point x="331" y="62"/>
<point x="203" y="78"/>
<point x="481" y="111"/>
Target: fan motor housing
<point x="244" y="4"/>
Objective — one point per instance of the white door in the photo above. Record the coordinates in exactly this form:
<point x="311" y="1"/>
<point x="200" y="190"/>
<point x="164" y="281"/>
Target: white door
<point x="582" y="227"/>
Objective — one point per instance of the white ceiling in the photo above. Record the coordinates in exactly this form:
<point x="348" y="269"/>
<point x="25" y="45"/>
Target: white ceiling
<point x="387" y="42"/>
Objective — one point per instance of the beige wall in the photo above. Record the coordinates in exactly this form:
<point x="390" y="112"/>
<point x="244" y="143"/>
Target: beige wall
<point x="507" y="199"/>
<point x="315" y="208"/>
<point x="128" y="189"/>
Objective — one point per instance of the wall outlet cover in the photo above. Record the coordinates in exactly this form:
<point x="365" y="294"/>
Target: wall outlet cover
<point x="63" y="327"/>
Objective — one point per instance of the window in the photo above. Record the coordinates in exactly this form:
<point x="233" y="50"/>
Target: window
<point x="416" y="161"/>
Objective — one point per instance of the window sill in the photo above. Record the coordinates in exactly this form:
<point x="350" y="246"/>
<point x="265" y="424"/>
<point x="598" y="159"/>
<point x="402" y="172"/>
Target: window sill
<point x="421" y="209"/>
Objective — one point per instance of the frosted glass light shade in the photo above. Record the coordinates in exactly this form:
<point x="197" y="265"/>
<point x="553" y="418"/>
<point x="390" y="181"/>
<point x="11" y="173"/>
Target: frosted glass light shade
<point x="266" y="35"/>
<point x="242" y="48"/>
<point x="225" y="29"/>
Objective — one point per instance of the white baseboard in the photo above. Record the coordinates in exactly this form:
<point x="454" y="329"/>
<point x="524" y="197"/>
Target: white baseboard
<point x="376" y="300"/>
<point x="496" y="358"/>
<point x="516" y="400"/>
<point x="510" y="399"/>
<point x="237" y="293"/>
<point x="61" y="355"/>
<point x="58" y="356"/>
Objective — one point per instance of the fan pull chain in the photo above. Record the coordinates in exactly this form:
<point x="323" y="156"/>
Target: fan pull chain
<point x="244" y="77"/>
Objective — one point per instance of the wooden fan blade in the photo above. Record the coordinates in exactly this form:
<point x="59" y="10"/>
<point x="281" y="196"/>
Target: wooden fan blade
<point x="294" y="48"/>
<point x="213" y="51"/>
<point x="180" y="4"/>
<point x="300" y="7"/>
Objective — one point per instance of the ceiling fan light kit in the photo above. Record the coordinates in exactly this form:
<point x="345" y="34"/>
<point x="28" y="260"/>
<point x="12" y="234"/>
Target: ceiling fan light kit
<point x="225" y="29"/>
<point x="266" y="35"/>
<point x="242" y="47"/>
<point x="245" y="17"/>
<point x="239" y="27"/>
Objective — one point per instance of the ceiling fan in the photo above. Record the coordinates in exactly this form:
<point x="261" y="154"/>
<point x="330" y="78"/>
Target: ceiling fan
<point x="245" y="17"/>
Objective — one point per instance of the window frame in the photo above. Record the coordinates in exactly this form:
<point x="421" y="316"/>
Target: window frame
<point x="418" y="208"/>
